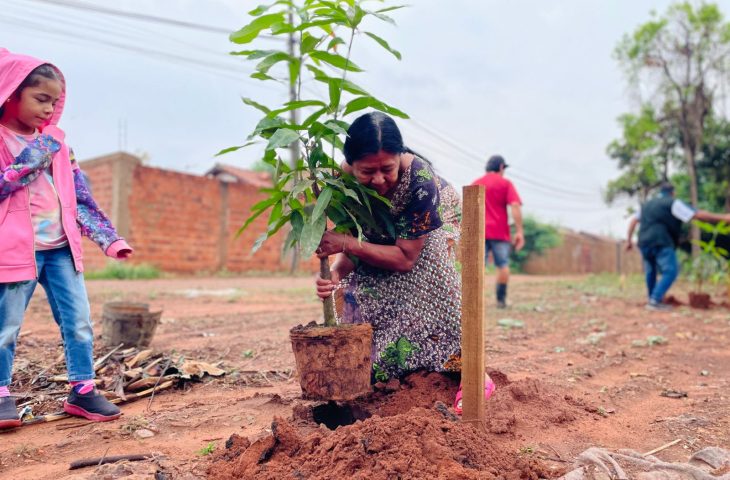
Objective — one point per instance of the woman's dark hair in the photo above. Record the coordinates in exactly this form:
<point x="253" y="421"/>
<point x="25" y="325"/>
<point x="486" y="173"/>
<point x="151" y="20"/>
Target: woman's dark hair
<point x="371" y="133"/>
<point x="39" y="73"/>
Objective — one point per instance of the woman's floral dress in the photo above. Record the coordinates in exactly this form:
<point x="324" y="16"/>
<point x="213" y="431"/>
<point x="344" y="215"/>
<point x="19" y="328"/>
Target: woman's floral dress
<point x="416" y="316"/>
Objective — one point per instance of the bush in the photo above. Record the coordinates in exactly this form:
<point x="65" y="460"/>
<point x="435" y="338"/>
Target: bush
<point x="539" y="237"/>
<point x="124" y="271"/>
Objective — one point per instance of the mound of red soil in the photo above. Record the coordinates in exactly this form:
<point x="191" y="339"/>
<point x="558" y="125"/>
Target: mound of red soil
<point x="411" y="433"/>
<point x="419" y="444"/>
<point x="673" y="301"/>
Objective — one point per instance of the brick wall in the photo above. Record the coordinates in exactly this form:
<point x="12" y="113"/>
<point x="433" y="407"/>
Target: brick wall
<point x="584" y="253"/>
<point x="179" y="222"/>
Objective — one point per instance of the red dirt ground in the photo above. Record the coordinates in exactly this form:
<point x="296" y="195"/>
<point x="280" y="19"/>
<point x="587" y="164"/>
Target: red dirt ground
<point x="587" y="369"/>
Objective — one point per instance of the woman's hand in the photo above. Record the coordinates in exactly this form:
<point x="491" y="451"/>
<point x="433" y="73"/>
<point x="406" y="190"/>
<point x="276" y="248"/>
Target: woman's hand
<point x="333" y="242"/>
<point x="326" y="287"/>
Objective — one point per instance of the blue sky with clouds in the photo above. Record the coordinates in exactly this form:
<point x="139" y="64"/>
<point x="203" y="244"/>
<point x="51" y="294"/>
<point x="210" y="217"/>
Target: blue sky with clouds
<point x="533" y="80"/>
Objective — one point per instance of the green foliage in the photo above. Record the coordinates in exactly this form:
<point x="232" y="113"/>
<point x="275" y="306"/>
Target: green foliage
<point x="711" y="265"/>
<point x="312" y="189"/>
<point x="124" y="271"/>
<point x="713" y="167"/>
<point x="207" y="450"/>
<point x="379" y="373"/>
<point x="648" y="144"/>
<point x="397" y="353"/>
<point x="677" y="61"/>
<point x="539" y="237"/>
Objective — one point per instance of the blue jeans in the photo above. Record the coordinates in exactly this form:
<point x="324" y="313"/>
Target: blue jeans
<point x="70" y="306"/>
<point x="500" y="251"/>
<point x="659" y="260"/>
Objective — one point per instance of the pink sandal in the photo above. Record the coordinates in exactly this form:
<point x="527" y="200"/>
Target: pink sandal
<point x="489" y="388"/>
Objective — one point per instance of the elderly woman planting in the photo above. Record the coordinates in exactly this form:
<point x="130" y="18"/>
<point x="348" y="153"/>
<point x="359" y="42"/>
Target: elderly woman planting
<point x="406" y="285"/>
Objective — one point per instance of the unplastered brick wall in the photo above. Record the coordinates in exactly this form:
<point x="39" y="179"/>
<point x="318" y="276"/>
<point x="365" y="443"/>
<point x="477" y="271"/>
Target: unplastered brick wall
<point x="583" y="253"/>
<point x="180" y="222"/>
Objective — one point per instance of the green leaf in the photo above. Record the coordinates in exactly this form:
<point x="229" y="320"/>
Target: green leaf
<point x="361" y="103"/>
<point x="300" y="187"/>
<point x="260" y="9"/>
<point x="322" y="202"/>
<point x="283" y="137"/>
<point x="276" y="213"/>
<point x="297" y="105"/>
<point x="265" y="65"/>
<point x="335" y="94"/>
<point x="275" y="227"/>
<point x="313" y="117"/>
<point x="266" y="203"/>
<point x="324" y="23"/>
<point x="335" y="60"/>
<point x="297" y="223"/>
<point x="233" y="149"/>
<point x="255" y="105"/>
<point x="384" y="44"/>
<point x="358" y="227"/>
<point x="248" y="33"/>
<point x="332" y="45"/>
<point x="308" y="43"/>
<point x="356" y="16"/>
<point x="390" y="9"/>
<point x="267" y="123"/>
<point x="261" y="76"/>
<point x="254" y="54"/>
<point x="317" y="158"/>
<point x="258" y="209"/>
<point x="259" y="242"/>
<point x="311" y="235"/>
<point x="337" y="126"/>
<point x="347" y="85"/>
<point x="382" y="17"/>
<point x="282" y="27"/>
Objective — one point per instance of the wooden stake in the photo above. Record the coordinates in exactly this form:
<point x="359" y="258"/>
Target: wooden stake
<point x="473" y="318"/>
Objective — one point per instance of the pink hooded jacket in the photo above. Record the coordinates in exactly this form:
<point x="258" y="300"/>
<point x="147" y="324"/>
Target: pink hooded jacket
<point x="79" y="213"/>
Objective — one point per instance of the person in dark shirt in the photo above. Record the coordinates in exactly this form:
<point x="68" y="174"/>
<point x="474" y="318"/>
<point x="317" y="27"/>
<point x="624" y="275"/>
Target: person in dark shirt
<point x="660" y="221"/>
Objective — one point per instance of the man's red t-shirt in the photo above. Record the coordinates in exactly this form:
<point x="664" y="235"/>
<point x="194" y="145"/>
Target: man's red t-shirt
<point x="498" y="193"/>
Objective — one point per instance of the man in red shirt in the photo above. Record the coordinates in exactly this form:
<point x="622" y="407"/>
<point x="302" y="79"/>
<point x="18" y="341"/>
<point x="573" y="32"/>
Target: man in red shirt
<point x="499" y="193"/>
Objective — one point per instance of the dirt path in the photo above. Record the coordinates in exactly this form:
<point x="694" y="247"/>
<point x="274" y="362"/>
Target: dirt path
<point x="588" y="336"/>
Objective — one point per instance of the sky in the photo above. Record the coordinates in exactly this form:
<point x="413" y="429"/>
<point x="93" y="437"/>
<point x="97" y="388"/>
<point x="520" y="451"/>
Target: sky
<point x="532" y="80"/>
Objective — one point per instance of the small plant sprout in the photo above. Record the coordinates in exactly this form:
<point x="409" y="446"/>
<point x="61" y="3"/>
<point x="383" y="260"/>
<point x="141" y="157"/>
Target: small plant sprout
<point x="207" y="450"/>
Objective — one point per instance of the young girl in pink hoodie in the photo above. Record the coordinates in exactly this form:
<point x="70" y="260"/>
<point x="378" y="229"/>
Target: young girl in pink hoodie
<point x="45" y="207"/>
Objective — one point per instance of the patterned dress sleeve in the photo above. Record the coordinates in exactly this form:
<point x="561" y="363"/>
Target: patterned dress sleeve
<point x="92" y="222"/>
<point x="31" y="161"/>
<point x="421" y="215"/>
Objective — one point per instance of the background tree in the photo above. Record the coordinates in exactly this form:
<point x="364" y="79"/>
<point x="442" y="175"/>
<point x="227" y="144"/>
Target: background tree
<point x="539" y="237"/>
<point x="680" y="60"/>
<point x="645" y="151"/>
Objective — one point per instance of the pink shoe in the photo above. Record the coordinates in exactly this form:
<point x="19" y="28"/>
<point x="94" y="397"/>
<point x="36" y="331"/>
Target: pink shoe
<point x="489" y="388"/>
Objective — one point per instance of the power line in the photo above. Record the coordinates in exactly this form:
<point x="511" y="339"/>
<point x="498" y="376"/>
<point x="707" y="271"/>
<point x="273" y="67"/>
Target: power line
<point x="475" y="158"/>
<point x="132" y="30"/>
<point x="218" y="68"/>
<point x="137" y="16"/>
<point x="140" y="16"/>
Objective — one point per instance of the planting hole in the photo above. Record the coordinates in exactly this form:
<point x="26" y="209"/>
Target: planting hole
<point x="332" y="415"/>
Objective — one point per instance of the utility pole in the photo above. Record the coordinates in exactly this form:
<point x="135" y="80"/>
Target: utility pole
<point x="294" y="120"/>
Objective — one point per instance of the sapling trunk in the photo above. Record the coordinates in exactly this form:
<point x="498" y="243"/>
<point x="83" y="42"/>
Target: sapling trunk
<point x="328" y="306"/>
